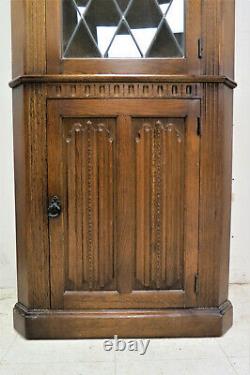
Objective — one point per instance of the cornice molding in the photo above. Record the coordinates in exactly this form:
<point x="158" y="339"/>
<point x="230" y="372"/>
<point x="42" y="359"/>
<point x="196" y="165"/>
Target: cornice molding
<point x="83" y="78"/>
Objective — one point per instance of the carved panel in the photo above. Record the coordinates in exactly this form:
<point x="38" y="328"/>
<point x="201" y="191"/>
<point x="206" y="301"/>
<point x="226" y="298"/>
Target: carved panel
<point x="88" y="171"/>
<point x="160" y="159"/>
<point x="124" y="90"/>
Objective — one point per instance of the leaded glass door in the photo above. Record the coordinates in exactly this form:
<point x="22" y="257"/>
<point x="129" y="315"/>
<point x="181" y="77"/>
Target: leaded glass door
<point x="123" y="36"/>
<point x="123" y="29"/>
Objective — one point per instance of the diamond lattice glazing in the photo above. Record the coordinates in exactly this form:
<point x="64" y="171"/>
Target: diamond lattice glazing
<point x="123" y="28"/>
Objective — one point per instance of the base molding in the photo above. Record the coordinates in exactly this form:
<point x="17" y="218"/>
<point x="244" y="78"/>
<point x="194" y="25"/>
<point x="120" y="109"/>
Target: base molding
<point x="68" y="324"/>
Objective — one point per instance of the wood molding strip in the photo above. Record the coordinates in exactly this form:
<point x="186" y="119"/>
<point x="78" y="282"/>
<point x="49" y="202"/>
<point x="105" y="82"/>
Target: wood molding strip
<point x="198" y="322"/>
<point x="80" y="78"/>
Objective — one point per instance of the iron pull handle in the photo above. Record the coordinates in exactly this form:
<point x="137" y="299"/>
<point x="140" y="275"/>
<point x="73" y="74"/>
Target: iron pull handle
<point x="54" y="207"/>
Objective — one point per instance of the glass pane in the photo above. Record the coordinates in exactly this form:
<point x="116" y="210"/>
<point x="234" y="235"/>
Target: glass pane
<point x="124" y="38"/>
<point x="173" y="18"/>
<point x="102" y="21"/>
<point x="123" y="4"/>
<point x="164" y="4"/>
<point x="144" y="17"/>
<point x="82" y="43"/>
<point x="123" y="28"/>
<point x="81" y="7"/>
<point x="164" y="44"/>
<point x="69" y="21"/>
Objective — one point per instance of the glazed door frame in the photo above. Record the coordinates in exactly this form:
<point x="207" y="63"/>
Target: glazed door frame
<point x="123" y="110"/>
<point x="190" y="64"/>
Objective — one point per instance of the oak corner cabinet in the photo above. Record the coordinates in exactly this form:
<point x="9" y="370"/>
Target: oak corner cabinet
<point x="123" y="143"/>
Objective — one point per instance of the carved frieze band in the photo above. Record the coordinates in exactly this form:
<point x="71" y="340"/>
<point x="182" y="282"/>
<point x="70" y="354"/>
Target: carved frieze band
<point x="125" y="90"/>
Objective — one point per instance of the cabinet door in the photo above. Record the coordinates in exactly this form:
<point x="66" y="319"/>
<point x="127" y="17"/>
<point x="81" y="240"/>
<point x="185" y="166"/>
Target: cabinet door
<point x="123" y="36"/>
<point x="127" y="175"/>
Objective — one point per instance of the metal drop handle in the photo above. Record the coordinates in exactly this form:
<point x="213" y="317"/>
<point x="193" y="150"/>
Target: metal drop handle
<point x="54" y="207"/>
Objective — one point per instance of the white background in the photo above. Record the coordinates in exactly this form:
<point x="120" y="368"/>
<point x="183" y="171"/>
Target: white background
<point x="240" y="259"/>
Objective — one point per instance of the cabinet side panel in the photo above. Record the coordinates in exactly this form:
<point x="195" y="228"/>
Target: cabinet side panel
<point x="227" y="36"/>
<point x="218" y="37"/>
<point x="36" y="154"/>
<point x="226" y="121"/>
<point x="31" y="196"/>
<point x="210" y="38"/>
<point x="21" y="193"/>
<point x="17" y="37"/>
<point x="28" y="37"/>
<point x="215" y="194"/>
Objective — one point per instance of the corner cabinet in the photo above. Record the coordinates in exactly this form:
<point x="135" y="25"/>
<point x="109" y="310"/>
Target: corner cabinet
<point x="123" y="142"/>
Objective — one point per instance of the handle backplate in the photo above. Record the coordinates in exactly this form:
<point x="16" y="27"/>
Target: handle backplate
<point x="54" y="207"/>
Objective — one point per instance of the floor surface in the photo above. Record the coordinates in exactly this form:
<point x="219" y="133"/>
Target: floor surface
<point x="227" y="355"/>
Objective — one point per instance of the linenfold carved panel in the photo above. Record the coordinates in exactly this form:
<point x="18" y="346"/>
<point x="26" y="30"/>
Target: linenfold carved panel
<point x="88" y="171"/>
<point x="160" y="172"/>
<point x="125" y="90"/>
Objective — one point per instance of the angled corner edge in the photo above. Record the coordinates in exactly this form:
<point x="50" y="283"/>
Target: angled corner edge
<point x="163" y="323"/>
